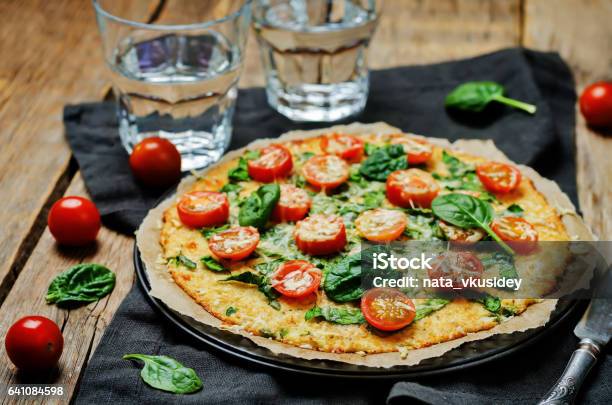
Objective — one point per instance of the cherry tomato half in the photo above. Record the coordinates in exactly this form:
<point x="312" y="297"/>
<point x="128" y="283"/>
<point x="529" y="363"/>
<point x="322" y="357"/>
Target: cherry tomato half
<point x="412" y="187"/>
<point x="156" y="162"/>
<point x="198" y="209"/>
<point x="34" y="343"/>
<point x="326" y="172"/>
<point x="456" y="266"/>
<point x="418" y="151"/>
<point x="274" y="162"/>
<point x="387" y="309"/>
<point x="296" y="278"/>
<point x="381" y="225"/>
<point x="74" y="221"/>
<point x="517" y="232"/>
<point x="235" y="243"/>
<point x="498" y="177"/>
<point x="293" y="205"/>
<point x="320" y="234"/>
<point x="347" y="147"/>
<point x="596" y="104"/>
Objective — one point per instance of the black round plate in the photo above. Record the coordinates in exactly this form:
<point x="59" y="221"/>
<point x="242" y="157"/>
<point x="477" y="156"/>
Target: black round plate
<point x="467" y="355"/>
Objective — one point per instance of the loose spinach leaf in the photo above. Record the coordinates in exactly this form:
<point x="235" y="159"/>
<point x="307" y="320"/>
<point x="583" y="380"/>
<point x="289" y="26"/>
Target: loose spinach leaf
<point x="208" y="232"/>
<point x="475" y="96"/>
<point x="342" y="316"/>
<point x="183" y="260"/>
<point x="167" y="374"/>
<point x="428" y="307"/>
<point x="268" y="268"/>
<point x="369" y="148"/>
<point x="467" y="212"/>
<point x="382" y="161"/>
<point x="85" y="282"/>
<point x="230" y="311"/>
<point x="262" y="283"/>
<point x="257" y="208"/>
<point x="501" y="262"/>
<point x="343" y="280"/>
<point x="212" y="264"/>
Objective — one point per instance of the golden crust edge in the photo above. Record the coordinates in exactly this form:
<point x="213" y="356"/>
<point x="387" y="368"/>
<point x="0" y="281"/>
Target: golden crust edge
<point x="164" y="288"/>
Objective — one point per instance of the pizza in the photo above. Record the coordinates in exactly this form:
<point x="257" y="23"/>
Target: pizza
<point x="266" y="242"/>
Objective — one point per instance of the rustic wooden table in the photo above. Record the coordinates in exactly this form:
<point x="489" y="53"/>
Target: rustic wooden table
<point x="52" y="57"/>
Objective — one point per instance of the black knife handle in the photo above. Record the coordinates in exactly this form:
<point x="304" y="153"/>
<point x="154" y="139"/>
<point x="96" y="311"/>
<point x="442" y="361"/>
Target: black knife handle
<point x="566" y="388"/>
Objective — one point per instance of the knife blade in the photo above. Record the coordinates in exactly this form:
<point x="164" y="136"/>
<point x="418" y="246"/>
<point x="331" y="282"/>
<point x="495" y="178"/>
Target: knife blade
<point x="594" y="331"/>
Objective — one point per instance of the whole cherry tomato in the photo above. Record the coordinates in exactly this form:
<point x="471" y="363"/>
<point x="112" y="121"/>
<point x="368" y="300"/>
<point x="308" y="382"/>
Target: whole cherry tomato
<point x="34" y="343"/>
<point x="74" y="221"/>
<point x="596" y="104"/>
<point x="156" y="162"/>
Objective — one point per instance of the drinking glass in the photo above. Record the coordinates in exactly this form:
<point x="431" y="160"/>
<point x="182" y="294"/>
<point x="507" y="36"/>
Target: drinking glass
<point x="176" y="79"/>
<point x="314" y="55"/>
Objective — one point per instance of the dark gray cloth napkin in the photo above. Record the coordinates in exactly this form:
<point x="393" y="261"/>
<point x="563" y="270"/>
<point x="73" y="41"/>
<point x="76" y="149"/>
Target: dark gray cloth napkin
<point x="412" y="99"/>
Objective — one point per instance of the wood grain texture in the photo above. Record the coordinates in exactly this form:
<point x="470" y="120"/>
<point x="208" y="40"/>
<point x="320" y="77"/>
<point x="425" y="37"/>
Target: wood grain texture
<point x="51" y="57"/>
<point x="581" y="31"/>
<point x="410" y="32"/>
<point x="82" y="327"/>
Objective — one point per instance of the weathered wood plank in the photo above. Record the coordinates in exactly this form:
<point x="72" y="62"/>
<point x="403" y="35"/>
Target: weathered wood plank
<point x="82" y="327"/>
<point x="51" y="57"/>
<point x="581" y="32"/>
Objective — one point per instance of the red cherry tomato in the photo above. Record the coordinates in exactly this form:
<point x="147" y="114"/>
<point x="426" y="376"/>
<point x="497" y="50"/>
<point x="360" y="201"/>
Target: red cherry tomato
<point x="293" y="205"/>
<point x="412" y="187"/>
<point x="274" y="162"/>
<point x="387" y="309"/>
<point x="296" y="279"/>
<point x="498" y="177"/>
<point x="326" y="172"/>
<point x="320" y="234"/>
<point x="34" y="343"/>
<point x="596" y="104"/>
<point x="381" y="225"/>
<point x="418" y="151"/>
<point x="203" y="208"/>
<point x="235" y="243"/>
<point x="156" y="162"/>
<point x="456" y="266"/>
<point x="347" y="147"/>
<point x="518" y="233"/>
<point x="74" y="221"/>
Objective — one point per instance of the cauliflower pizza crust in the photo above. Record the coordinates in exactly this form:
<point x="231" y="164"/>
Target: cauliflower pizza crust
<point x="204" y="296"/>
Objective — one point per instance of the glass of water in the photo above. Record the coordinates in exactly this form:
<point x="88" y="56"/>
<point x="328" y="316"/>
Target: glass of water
<point x="314" y="55"/>
<point x="176" y="78"/>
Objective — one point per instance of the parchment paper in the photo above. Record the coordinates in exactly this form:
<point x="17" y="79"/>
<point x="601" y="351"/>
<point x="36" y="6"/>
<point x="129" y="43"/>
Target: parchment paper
<point x="164" y="288"/>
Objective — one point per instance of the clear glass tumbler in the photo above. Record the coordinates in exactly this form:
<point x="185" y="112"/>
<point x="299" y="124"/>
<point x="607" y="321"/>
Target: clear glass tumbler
<point x="314" y="55"/>
<point x="177" y="78"/>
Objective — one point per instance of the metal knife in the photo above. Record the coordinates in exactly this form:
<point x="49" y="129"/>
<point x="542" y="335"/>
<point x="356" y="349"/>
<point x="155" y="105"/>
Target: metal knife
<point x="594" y="331"/>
